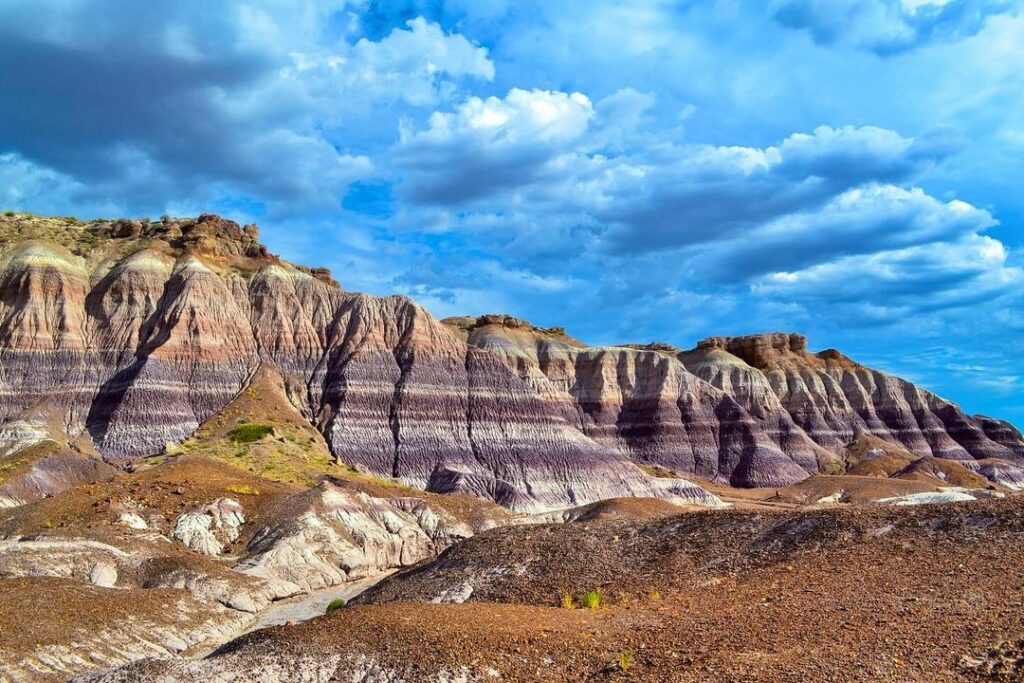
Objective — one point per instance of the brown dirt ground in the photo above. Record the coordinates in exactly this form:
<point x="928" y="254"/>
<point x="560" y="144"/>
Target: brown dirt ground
<point x="76" y="611"/>
<point x="841" y="595"/>
<point x="169" y="489"/>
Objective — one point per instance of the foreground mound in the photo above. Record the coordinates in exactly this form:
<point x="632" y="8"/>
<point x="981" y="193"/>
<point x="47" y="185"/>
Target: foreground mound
<point x="191" y="552"/>
<point x="722" y="596"/>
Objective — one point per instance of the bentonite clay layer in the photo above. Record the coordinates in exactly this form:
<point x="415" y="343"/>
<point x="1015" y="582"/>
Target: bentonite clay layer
<point x="137" y="340"/>
<point x="831" y="398"/>
<point x="122" y="337"/>
<point x="773" y="411"/>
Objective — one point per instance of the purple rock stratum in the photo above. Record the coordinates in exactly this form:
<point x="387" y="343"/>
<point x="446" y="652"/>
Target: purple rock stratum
<point x="119" y="338"/>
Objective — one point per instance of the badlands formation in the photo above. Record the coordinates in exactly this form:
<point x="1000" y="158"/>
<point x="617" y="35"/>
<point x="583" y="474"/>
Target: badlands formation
<point x="198" y="439"/>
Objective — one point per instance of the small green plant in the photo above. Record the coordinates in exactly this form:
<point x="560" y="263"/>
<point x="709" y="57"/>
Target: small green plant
<point x="567" y="601"/>
<point x="249" y="433"/>
<point x="624" y="660"/>
<point x="8" y="213"/>
<point x="335" y="604"/>
<point x="591" y="599"/>
<point x="244" y="490"/>
<point x="655" y="596"/>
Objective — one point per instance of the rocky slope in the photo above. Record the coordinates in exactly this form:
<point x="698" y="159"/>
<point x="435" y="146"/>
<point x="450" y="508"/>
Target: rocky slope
<point x="203" y="549"/>
<point x="123" y="337"/>
<point x="756" y="411"/>
<point x="705" y="596"/>
<point x="833" y="399"/>
<point x="644" y="404"/>
<point x="119" y="338"/>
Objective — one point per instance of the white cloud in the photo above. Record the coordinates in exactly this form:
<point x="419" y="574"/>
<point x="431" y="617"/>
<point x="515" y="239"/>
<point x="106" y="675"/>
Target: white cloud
<point x="888" y="27"/>
<point x="489" y="145"/>
<point x="261" y="102"/>
<point x="970" y="270"/>
<point x="521" y="118"/>
<point x="862" y="220"/>
<point x="419" y="64"/>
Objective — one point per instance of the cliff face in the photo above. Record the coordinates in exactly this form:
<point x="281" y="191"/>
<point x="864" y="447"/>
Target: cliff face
<point x="117" y="338"/>
<point x="122" y="337"/>
<point x="644" y="404"/>
<point x="832" y="399"/>
<point x="749" y="411"/>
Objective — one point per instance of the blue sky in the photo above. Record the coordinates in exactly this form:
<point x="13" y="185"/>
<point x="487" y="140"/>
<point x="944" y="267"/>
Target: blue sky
<point x="633" y="171"/>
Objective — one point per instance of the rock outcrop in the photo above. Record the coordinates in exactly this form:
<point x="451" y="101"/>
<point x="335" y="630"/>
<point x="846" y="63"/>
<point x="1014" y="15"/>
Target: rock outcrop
<point x="119" y="338"/>
<point x="645" y="404"/>
<point x="752" y="585"/>
<point x="327" y="535"/>
<point x="122" y="337"/>
<point x="832" y="399"/>
<point x="193" y="550"/>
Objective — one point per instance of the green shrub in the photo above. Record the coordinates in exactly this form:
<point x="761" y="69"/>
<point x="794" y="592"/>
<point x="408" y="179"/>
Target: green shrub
<point x="8" y="213"/>
<point x="248" y="433"/>
<point x="591" y="599"/>
<point x="624" y="660"/>
<point x="336" y="603"/>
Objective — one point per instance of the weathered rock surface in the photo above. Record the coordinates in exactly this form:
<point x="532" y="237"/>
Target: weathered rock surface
<point x="832" y="399"/>
<point x="91" y="627"/>
<point x="644" y="404"/>
<point x="45" y="468"/>
<point x="208" y="529"/>
<point x="757" y="411"/>
<point x="328" y="535"/>
<point x="125" y="336"/>
<point x="119" y="338"/>
<point x="723" y="596"/>
<point x="204" y="548"/>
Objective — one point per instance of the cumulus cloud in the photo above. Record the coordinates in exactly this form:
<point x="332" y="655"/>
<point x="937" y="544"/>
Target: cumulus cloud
<point x="418" y="63"/>
<point x="487" y="145"/>
<point x="692" y="194"/>
<point x="888" y="27"/>
<point x="859" y="221"/>
<point x="829" y="215"/>
<point x="154" y="105"/>
<point x="925" y="277"/>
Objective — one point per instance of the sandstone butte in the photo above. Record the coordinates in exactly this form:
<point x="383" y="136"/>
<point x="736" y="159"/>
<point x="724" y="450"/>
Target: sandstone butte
<point x="120" y="339"/>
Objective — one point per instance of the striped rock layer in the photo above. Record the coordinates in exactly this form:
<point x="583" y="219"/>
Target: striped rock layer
<point x="749" y="411"/>
<point x="118" y="338"/>
<point x="832" y="398"/>
<point x="646" y="405"/>
<point x="124" y="337"/>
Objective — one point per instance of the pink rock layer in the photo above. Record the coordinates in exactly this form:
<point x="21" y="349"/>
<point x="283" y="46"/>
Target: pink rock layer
<point x="829" y="398"/>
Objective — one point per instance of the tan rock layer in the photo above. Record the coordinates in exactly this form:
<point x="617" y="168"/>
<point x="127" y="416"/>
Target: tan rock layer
<point x="647" y="406"/>
<point x="121" y="337"/>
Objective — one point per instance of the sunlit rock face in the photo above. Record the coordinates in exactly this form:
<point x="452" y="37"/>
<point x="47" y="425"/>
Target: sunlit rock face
<point x="758" y="410"/>
<point x="120" y="338"/>
<point x="117" y="338"/>
<point x="644" y="404"/>
<point x="830" y="397"/>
